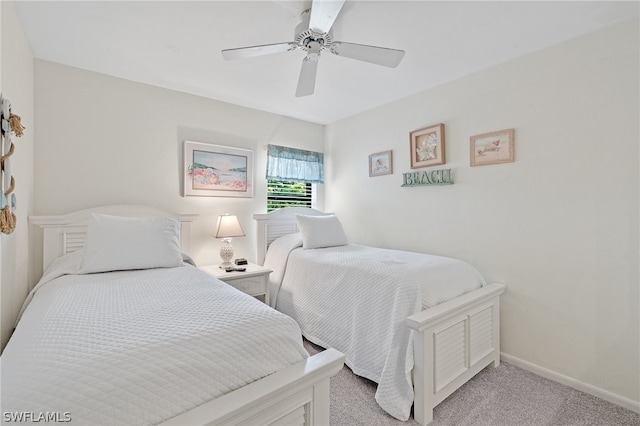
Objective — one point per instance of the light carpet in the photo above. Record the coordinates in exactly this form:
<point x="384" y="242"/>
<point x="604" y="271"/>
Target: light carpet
<point x="503" y="396"/>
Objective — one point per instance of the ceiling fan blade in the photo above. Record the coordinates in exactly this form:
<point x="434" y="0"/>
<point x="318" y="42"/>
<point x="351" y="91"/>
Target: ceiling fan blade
<point x="324" y="14"/>
<point x="265" y="49"/>
<point x="307" y="79"/>
<point x="373" y="54"/>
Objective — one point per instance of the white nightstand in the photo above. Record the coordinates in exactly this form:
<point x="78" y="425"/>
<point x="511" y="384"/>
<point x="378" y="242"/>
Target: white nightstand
<point x="254" y="281"/>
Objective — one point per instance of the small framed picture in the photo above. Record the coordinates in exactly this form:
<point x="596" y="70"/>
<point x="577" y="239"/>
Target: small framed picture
<point x="492" y="148"/>
<point x="427" y="146"/>
<point x="381" y="163"/>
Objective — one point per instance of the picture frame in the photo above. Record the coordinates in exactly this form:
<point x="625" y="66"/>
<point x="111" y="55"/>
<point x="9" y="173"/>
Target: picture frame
<point x="427" y="146"/>
<point x="492" y="148"/>
<point x="381" y="163"/>
<point x="217" y="171"/>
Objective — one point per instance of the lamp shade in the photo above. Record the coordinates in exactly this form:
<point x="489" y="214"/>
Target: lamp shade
<point x="228" y="226"/>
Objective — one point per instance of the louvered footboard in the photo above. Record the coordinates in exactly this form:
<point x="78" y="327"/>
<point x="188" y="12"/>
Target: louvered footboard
<point x="455" y="341"/>
<point x="297" y="395"/>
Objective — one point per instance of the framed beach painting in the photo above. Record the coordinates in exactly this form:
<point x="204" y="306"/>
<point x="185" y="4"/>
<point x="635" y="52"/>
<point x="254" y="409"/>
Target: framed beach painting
<point x="381" y="163"/>
<point x="427" y="146"/>
<point x="217" y="171"/>
<point x="492" y="148"/>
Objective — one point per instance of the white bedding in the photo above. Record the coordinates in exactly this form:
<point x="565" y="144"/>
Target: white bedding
<point x="356" y="298"/>
<point x="138" y="347"/>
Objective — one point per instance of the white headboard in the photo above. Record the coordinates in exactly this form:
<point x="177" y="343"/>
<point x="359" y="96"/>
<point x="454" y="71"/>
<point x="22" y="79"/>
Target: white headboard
<point x="278" y="223"/>
<point x="66" y="233"/>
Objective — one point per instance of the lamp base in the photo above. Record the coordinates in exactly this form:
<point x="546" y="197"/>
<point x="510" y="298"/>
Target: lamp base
<point x="226" y="253"/>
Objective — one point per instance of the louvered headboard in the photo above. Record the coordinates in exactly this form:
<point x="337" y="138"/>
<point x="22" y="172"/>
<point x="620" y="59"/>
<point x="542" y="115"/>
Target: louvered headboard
<point x="278" y="223"/>
<point x="67" y="233"/>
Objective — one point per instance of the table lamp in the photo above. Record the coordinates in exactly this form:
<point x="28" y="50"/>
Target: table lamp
<point x="227" y="227"/>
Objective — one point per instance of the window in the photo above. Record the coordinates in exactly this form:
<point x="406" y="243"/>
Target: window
<point x="291" y="177"/>
<point x="282" y="194"/>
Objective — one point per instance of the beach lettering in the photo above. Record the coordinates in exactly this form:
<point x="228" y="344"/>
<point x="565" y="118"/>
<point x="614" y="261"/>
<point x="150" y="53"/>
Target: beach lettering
<point x="434" y="177"/>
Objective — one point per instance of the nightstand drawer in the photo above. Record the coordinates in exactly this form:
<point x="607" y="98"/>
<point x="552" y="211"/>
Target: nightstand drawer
<point x="253" y="286"/>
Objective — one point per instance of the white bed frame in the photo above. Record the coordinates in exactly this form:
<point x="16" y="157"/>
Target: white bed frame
<point x="297" y="395"/>
<point x="454" y="341"/>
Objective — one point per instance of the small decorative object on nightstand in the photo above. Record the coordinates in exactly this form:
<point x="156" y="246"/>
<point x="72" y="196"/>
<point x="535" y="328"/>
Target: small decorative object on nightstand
<point x="254" y="280"/>
<point x="227" y="227"/>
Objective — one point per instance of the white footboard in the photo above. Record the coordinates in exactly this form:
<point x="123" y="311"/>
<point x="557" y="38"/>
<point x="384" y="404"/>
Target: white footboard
<point x="297" y="395"/>
<point x="455" y="341"/>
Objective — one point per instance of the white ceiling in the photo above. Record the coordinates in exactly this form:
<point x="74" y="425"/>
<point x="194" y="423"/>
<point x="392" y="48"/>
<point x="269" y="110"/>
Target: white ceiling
<point x="177" y="44"/>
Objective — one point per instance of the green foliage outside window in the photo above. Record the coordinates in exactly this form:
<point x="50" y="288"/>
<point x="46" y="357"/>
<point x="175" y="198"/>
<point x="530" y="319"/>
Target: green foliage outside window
<point x="282" y="194"/>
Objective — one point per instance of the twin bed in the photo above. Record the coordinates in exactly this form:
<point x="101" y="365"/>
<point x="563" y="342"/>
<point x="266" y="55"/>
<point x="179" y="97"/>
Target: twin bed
<point x="168" y="344"/>
<point x="418" y="325"/>
<point x="123" y="329"/>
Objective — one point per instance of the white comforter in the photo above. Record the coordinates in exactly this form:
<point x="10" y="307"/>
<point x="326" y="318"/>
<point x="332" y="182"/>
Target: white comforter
<point x="356" y="299"/>
<point x="138" y="347"/>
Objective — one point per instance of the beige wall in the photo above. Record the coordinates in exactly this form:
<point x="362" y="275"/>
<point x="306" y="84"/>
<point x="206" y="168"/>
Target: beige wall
<point x="559" y="226"/>
<point x="103" y="140"/>
<point x="17" y="86"/>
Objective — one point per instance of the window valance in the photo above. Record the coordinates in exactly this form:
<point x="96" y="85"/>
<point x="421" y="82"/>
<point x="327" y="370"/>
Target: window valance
<point x="295" y="165"/>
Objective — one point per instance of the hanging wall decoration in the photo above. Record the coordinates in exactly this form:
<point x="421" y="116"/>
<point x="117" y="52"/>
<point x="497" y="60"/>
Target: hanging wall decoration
<point x="217" y="171"/>
<point x="427" y="146"/>
<point x="11" y="125"/>
<point x="492" y="148"/>
<point x="381" y="163"/>
<point x="428" y="177"/>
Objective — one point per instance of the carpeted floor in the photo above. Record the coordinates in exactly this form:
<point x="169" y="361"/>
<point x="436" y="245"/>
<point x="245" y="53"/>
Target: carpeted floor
<point x="503" y="396"/>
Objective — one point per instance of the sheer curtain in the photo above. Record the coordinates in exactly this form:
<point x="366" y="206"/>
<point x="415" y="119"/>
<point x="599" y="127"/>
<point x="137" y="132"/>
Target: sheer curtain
<point x="294" y="165"/>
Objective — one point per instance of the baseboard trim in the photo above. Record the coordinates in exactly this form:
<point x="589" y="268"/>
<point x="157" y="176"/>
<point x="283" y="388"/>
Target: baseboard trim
<point x="569" y="381"/>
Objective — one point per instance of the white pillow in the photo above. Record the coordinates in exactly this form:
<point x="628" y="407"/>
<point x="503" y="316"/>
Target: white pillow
<point x="321" y="231"/>
<point x="116" y="243"/>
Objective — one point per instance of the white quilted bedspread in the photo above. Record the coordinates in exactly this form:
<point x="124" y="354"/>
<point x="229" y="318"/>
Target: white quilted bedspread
<point x="356" y="299"/>
<point x="139" y="347"/>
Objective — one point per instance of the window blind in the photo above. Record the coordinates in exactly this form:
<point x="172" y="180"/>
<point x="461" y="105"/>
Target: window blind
<point x="281" y="194"/>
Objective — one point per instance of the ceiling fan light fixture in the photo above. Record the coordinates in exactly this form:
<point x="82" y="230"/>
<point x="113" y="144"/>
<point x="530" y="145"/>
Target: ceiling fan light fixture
<point x="304" y="38"/>
<point x="313" y="35"/>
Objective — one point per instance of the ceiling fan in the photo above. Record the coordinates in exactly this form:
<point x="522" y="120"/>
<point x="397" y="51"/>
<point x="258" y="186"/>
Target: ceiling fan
<point x="313" y="35"/>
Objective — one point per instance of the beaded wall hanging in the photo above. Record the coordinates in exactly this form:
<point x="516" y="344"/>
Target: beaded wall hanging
<point x="11" y="126"/>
